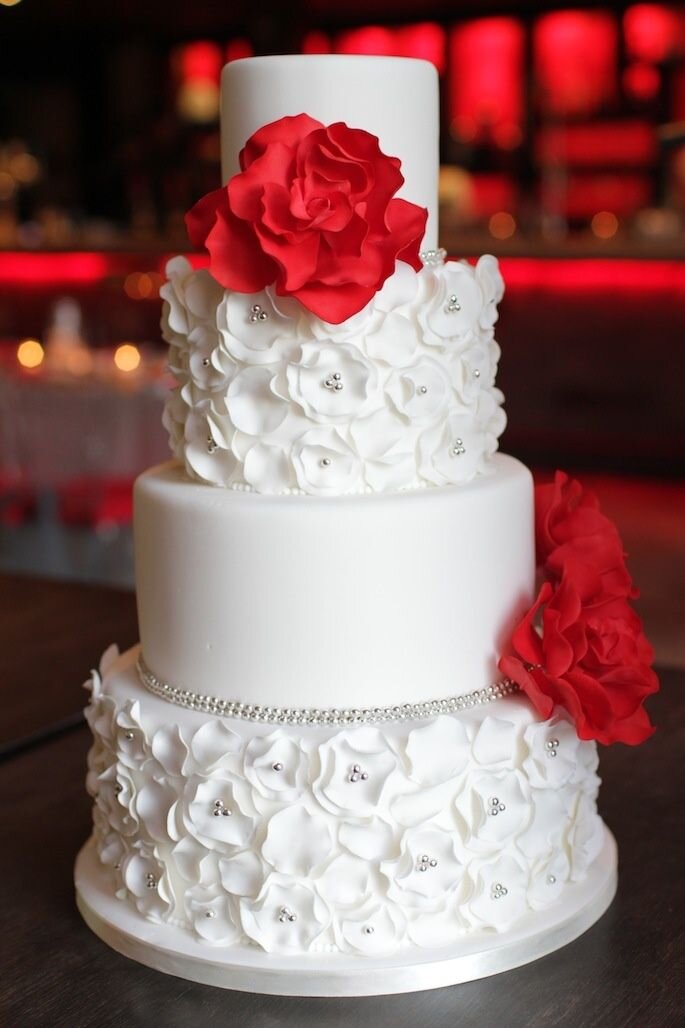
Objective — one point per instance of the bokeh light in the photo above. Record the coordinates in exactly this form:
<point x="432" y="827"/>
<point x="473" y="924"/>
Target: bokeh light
<point x="30" y="353"/>
<point x="127" y="357"/>
<point x="604" y="224"/>
<point x="502" y="225"/>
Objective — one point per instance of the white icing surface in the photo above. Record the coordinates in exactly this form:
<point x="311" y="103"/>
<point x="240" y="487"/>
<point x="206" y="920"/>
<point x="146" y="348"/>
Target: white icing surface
<point x="273" y="399"/>
<point x="393" y="98"/>
<point x="350" y="601"/>
<point x="245" y="834"/>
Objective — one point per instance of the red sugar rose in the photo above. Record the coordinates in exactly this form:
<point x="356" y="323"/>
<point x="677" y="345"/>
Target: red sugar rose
<point x="569" y="526"/>
<point x="581" y="644"/>
<point x="313" y="211"/>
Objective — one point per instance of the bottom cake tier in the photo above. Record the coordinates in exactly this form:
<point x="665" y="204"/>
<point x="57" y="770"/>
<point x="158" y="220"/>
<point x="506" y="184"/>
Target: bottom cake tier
<point x="467" y="841"/>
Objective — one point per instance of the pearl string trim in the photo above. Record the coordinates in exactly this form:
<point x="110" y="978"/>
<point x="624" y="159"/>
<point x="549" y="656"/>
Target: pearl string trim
<point x="293" y="716"/>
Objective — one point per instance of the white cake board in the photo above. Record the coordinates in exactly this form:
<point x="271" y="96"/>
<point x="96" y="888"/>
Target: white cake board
<point x="247" y="969"/>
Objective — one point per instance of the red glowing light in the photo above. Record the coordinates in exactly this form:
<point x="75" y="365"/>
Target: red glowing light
<point x="575" y="56"/>
<point x="613" y="277"/>
<point x="200" y="62"/>
<point x="58" y="269"/>
<point x="623" y="194"/>
<point x="641" y="81"/>
<point x="652" y="32"/>
<point x="372" y="40"/>
<point x="486" y="80"/>
<point x="425" y="40"/>
<point x="237" y="49"/>
<point x="493" y="193"/>
<point x="316" y="43"/>
<point x="607" y="143"/>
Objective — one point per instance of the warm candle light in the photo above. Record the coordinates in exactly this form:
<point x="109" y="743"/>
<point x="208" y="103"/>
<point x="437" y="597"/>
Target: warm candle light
<point x="30" y="353"/>
<point x="604" y="224"/>
<point x="127" y="357"/>
<point x="502" y="225"/>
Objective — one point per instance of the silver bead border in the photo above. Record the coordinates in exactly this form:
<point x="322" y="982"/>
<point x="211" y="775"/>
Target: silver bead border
<point x="293" y="716"/>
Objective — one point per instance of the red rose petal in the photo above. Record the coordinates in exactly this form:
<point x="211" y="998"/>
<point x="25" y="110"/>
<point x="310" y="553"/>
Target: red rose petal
<point x="235" y="261"/>
<point x="288" y="131"/>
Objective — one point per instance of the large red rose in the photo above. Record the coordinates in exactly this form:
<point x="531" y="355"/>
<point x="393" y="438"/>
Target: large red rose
<point x="581" y="644"/>
<point x="571" y="530"/>
<point x="313" y="211"/>
<point x="590" y="657"/>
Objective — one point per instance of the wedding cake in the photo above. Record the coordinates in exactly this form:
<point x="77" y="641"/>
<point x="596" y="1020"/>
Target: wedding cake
<point x="344" y="758"/>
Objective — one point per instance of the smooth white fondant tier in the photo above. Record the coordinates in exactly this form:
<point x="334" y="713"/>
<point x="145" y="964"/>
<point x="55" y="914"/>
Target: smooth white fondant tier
<point x="396" y="99"/>
<point x="311" y="602"/>
<point x="307" y="840"/>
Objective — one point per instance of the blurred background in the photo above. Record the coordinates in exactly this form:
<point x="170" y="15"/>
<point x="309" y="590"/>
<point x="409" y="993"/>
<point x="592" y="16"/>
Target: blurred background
<point x="563" y="153"/>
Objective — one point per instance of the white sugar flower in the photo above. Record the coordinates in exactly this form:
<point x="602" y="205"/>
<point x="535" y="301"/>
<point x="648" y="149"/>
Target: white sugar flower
<point x="190" y="298"/>
<point x="395" y="340"/>
<point x="372" y="839"/>
<point x="491" y="284"/>
<point x="331" y="382"/>
<point x="386" y="448"/>
<point x="210" y="915"/>
<point x="257" y="328"/>
<point x="356" y="769"/>
<point x="287" y="916"/>
<point x="115" y="794"/>
<point x="585" y="836"/>
<point x="243" y="873"/>
<point x="421" y="392"/>
<point x="296" y="841"/>
<point x="499" y="896"/>
<point x="211" y="812"/>
<point x="552" y="753"/>
<point x="130" y="741"/>
<point x="206" y="453"/>
<point x="267" y="469"/>
<point x="174" y="419"/>
<point x="438" y="751"/>
<point x="547" y="880"/>
<point x="276" y="766"/>
<point x="473" y="370"/>
<point x="494" y="807"/>
<point x="251" y="403"/>
<point x="456" y="449"/>
<point x="213" y="746"/>
<point x="348" y="881"/>
<point x="550" y="812"/>
<point x="451" y="307"/>
<point x="145" y="879"/>
<point x="428" y="868"/>
<point x="209" y="366"/>
<point x="375" y="929"/>
<point x="324" y="463"/>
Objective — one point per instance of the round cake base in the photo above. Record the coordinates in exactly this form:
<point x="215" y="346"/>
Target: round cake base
<point x="248" y="969"/>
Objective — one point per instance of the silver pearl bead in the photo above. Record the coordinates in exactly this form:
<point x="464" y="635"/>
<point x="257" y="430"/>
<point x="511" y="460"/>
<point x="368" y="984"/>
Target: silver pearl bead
<point x="129" y="735"/>
<point x="205" y="362"/>
<point x="210" y="913"/>
<point x="325" y="462"/>
<point x="277" y="766"/>
<point x="423" y="390"/>
<point x="369" y="929"/>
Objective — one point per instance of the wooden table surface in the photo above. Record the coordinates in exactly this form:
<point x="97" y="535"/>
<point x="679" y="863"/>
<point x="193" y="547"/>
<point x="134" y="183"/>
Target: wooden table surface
<point x="628" y="970"/>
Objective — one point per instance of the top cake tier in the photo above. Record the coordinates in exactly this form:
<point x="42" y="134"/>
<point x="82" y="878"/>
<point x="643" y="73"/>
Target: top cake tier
<point x="329" y="348"/>
<point x="394" y="98"/>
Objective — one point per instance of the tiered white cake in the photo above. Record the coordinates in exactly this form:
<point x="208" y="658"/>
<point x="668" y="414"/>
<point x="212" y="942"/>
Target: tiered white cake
<point x="310" y="776"/>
